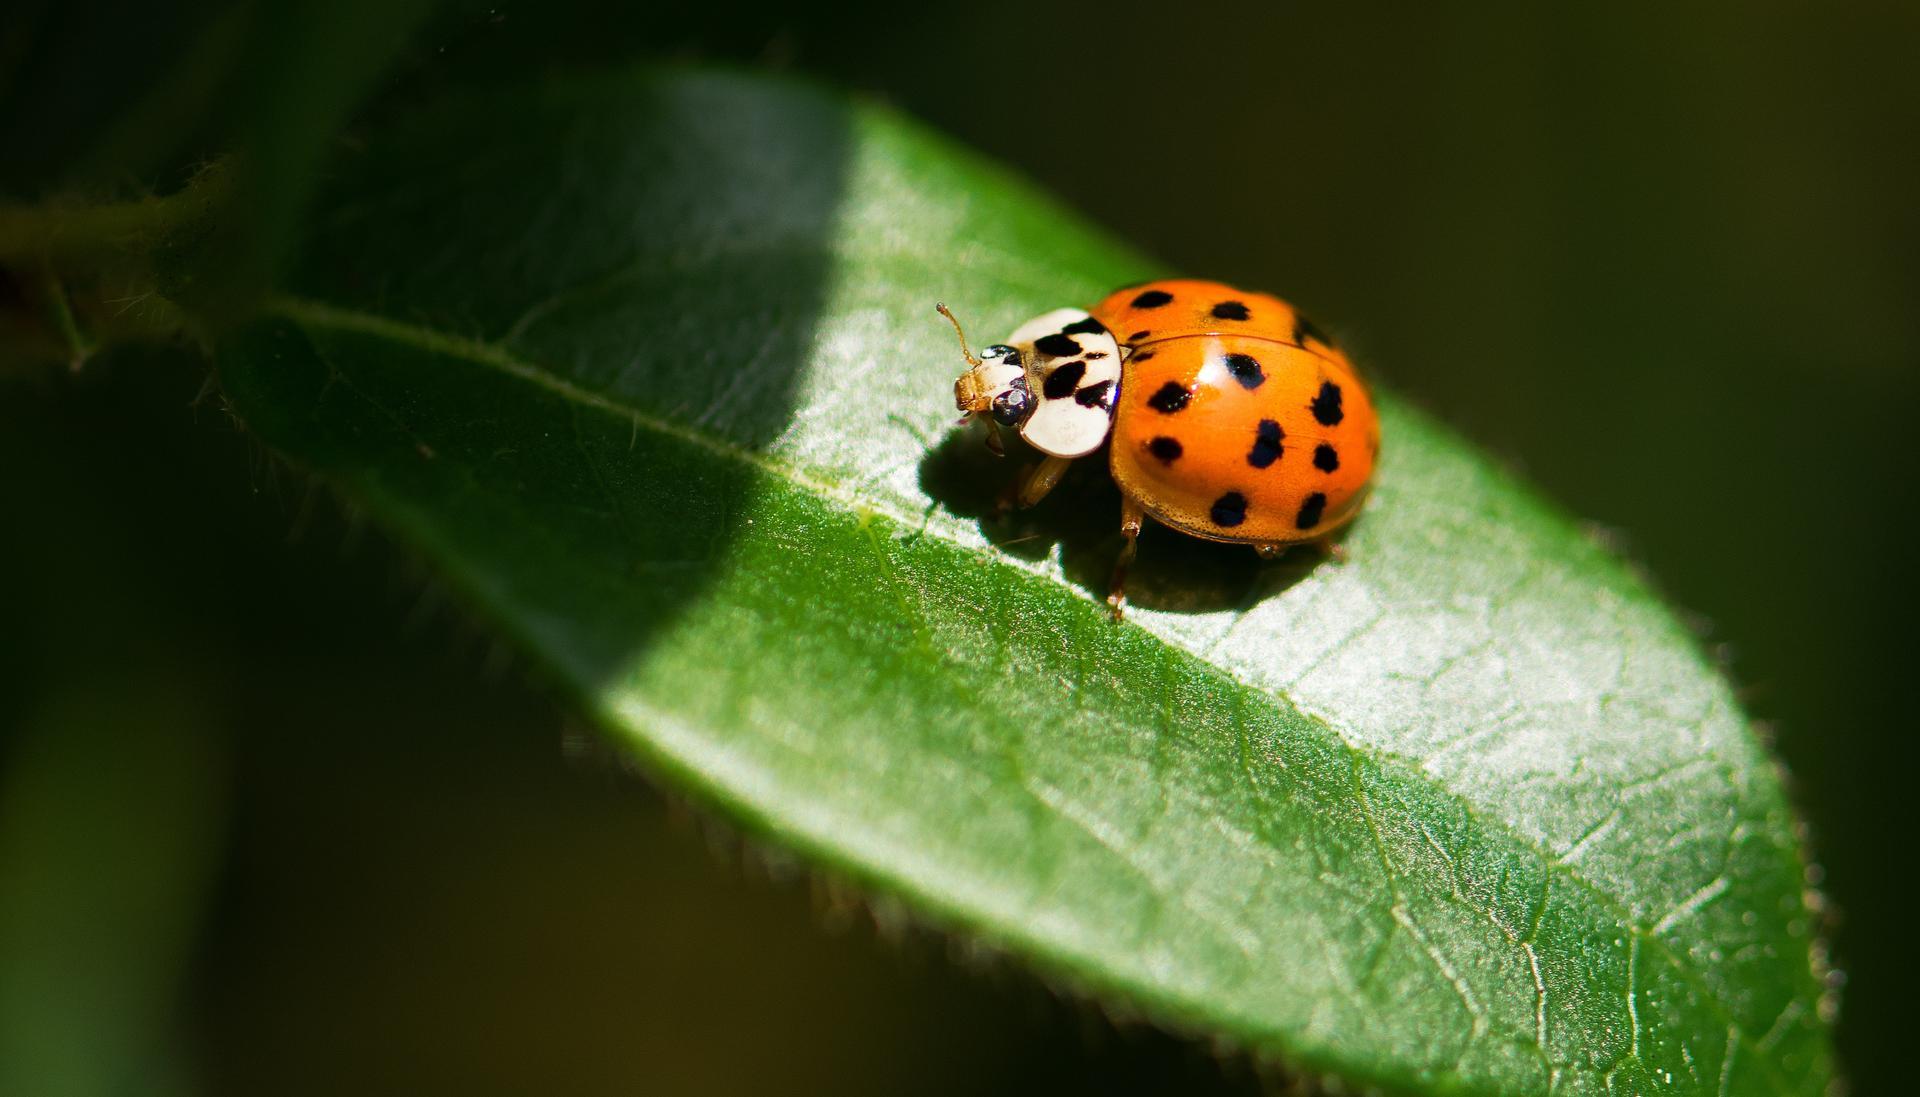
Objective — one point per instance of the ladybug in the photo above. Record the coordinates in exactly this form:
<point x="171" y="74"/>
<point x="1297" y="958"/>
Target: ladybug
<point x="1227" y="414"/>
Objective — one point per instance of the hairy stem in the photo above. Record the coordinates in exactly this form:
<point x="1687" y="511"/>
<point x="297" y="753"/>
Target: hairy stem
<point x="78" y="276"/>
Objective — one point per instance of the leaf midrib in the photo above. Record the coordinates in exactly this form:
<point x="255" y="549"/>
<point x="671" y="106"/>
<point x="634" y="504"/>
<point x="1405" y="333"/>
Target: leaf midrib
<point x="320" y="314"/>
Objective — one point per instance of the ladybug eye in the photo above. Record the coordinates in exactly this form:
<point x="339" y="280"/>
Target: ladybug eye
<point x="1000" y="350"/>
<point x="1010" y="407"/>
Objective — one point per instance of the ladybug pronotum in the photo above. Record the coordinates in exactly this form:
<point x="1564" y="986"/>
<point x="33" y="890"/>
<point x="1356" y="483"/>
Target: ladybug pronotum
<point x="1227" y="414"/>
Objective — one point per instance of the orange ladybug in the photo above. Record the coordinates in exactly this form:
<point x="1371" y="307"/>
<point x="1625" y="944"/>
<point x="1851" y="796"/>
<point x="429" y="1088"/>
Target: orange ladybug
<point x="1227" y="414"/>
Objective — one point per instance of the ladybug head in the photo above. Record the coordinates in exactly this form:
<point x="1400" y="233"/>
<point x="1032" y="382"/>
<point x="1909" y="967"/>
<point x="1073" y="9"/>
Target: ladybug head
<point x="994" y="387"/>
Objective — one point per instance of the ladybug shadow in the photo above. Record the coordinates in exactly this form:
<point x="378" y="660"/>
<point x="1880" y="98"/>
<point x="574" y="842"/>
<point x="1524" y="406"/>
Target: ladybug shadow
<point x="1081" y="519"/>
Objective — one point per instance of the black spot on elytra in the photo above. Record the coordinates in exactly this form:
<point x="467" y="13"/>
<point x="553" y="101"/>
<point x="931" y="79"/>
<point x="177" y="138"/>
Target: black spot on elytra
<point x="1142" y="356"/>
<point x="1310" y="510"/>
<point x="1095" y="396"/>
<point x="1171" y="398"/>
<point x="1305" y="329"/>
<point x="1057" y="346"/>
<point x="1152" y="299"/>
<point x="1325" y="458"/>
<point x="1167" y="449"/>
<point x="1245" y="370"/>
<point x="1266" y="444"/>
<point x="1137" y="336"/>
<point x="1089" y="326"/>
<point x="1062" y="381"/>
<point x="1229" y="510"/>
<point x="1230" y="310"/>
<point x="1326" y="405"/>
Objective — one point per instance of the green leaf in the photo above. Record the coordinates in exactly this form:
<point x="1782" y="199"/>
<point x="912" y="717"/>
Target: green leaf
<point x="647" y="365"/>
<point x="109" y="834"/>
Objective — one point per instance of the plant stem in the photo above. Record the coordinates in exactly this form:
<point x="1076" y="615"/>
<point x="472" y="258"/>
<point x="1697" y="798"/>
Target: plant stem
<point x="63" y="321"/>
<point x="86" y="273"/>
<point x="66" y="235"/>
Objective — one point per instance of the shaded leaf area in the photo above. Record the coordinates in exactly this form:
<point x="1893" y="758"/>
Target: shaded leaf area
<point x="646" y="365"/>
<point x="114" y="729"/>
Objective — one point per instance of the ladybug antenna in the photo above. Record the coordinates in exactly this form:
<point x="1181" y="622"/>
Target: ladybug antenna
<point x="955" y="321"/>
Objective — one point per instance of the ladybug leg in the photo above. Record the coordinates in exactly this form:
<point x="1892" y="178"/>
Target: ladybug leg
<point x="1033" y="485"/>
<point x="1272" y="551"/>
<point x="1332" y="549"/>
<point x="1132" y="514"/>
<point x="1041" y="479"/>
<point x="994" y="445"/>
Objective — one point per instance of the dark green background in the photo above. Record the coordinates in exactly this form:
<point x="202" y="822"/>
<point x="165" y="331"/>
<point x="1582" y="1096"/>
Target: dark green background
<point x="1665" y="261"/>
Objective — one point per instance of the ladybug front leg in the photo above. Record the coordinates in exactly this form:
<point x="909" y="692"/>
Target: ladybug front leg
<point x="1132" y="514"/>
<point x="1033" y="485"/>
<point x="1041" y="478"/>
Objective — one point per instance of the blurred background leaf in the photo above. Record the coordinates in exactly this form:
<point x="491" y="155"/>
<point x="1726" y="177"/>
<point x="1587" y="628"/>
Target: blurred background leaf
<point x="1703" y="212"/>
<point x="113" y="784"/>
